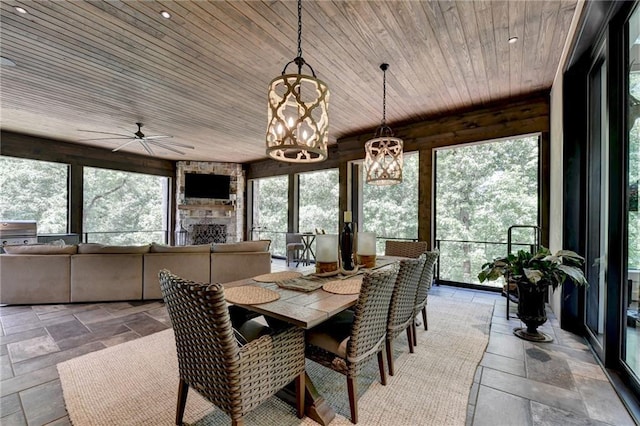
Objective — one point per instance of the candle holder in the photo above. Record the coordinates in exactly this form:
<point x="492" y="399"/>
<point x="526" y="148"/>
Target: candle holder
<point x="326" y="253"/>
<point x="366" y="243"/>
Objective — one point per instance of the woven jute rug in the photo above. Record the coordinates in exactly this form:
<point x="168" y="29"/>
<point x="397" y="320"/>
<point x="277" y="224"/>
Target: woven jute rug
<point x="135" y="383"/>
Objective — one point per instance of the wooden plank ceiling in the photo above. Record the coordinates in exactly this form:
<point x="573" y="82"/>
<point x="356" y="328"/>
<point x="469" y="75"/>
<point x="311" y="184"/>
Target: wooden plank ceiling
<point x="202" y="75"/>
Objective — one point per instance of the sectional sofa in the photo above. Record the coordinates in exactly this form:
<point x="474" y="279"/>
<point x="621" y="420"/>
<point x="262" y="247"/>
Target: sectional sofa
<point x="35" y="274"/>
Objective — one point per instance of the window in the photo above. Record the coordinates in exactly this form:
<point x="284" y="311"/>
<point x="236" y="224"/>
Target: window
<point x="270" y="212"/>
<point x="480" y="191"/>
<point x="35" y="190"/>
<point x="318" y="201"/>
<point x="124" y="207"/>
<point x="392" y="211"/>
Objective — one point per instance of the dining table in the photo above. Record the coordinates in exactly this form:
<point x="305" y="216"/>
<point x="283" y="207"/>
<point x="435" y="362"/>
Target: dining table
<point x="303" y="302"/>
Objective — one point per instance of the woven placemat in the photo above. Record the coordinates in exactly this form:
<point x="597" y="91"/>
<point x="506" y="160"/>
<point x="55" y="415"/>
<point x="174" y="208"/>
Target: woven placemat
<point x="349" y="286"/>
<point x="250" y="295"/>
<point x="277" y="276"/>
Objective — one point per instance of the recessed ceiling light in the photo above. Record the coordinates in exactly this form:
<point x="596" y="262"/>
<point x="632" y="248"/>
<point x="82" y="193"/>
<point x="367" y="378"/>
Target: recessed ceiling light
<point x="512" y="40"/>
<point x="20" y="10"/>
<point x="165" y="14"/>
<point x="6" y="62"/>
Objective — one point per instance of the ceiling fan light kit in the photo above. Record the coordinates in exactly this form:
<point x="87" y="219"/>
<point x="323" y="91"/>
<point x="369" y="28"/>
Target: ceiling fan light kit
<point x="383" y="153"/>
<point x="298" y="120"/>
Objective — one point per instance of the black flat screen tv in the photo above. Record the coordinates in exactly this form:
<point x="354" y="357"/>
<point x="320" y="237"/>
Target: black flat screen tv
<point x="199" y="185"/>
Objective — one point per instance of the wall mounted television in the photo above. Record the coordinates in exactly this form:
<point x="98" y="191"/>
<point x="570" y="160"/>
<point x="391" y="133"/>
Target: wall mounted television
<point x="199" y="185"/>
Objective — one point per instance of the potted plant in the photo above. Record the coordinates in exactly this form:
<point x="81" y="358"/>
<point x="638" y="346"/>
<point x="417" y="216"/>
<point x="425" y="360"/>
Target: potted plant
<point x="533" y="273"/>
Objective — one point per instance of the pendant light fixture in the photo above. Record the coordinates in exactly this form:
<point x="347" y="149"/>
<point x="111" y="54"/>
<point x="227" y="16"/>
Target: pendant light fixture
<point x="383" y="153"/>
<point x="298" y="121"/>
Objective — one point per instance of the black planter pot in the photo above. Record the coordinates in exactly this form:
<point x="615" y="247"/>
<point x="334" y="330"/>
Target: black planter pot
<point x="532" y="311"/>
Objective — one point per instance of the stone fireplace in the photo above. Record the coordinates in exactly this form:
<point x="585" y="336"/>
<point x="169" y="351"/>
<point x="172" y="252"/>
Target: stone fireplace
<point x="204" y="221"/>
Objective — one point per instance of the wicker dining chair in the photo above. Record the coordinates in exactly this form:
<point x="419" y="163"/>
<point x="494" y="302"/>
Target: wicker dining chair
<point x="411" y="249"/>
<point x="426" y="278"/>
<point x="235" y="378"/>
<point x="347" y="341"/>
<point x="402" y="303"/>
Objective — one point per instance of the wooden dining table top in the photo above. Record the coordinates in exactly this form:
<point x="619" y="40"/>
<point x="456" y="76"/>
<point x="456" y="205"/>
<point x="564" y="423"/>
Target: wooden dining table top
<point x="306" y="309"/>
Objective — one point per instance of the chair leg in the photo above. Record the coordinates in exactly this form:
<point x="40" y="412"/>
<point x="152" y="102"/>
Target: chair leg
<point x="410" y="337"/>
<point x="383" y="373"/>
<point x="389" y="346"/>
<point x="237" y="422"/>
<point x="424" y="317"/>
<point x="300" y="392"/>
<point x="415" y="334"/>
<point x="183" y="389"/>
<point x="353" y="398"/>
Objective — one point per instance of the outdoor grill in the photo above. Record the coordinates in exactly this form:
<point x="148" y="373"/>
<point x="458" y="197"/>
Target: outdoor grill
<point x="18" y="232"/>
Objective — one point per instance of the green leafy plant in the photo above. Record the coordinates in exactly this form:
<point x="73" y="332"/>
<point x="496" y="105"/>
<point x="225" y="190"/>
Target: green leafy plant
<point x="539" y="269"/>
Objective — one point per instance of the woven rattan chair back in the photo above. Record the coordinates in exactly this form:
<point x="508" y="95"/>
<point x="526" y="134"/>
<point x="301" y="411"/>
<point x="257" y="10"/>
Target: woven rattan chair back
<point x="424" y="285"/>
<point x="402" y="304"/>
<point x="411" y="249"/>
<point x="370" y="317"/>
<point x="235" y="379"/>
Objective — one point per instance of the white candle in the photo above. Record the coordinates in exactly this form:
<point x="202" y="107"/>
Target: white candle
<point x="347" y="216"/>
<point x="366" y="243"/>
<point x="327" y="248"/>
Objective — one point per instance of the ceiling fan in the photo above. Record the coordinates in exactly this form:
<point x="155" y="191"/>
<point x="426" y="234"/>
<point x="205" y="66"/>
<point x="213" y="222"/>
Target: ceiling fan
<point x="145" y="141"/>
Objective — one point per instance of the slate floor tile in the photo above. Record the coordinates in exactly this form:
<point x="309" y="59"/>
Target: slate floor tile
<point x="120" y="338"/>
<point x="11" y="310"/>
<point x="505" y="345"/>
<point x="534" y="390"/>
<point x="31" y="348"/>
<point x="19" y="319"/>
<point x="43" y="404"/>
<point x="14" y="419"/>
<point x="146" y="325"/>
<point x="543" y="415"/>
<point x="98" y="334"/>
<point x="52" y="359"/>
<point x="10" y="404"/>
<point x="543" y="367"/>
<point x="5" y="367"/>
<point x="505" y="364"/>
<point x="67" y="329"/>
<point x="25" y="381"/>
<point x="602" y="402"/>
<point x="585" y="369"/>
<point x="97" y="314"/>
<point x="24" y="335"/>
<point x="497" y="408"/>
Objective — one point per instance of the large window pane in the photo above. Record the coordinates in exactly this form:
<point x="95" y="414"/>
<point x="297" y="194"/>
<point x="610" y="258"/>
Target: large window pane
<point x="481" y="190"/>
<point x="392" y="211"/>
<point x="34" y="190"/>
<point x="631" y="324"/>
<point x="318" y="201"/>
<point x="124" y="208"/>
<point x="270" y="211"/>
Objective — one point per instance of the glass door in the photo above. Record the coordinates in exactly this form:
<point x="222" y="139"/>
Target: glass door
<point x="630" y="353"/>
<point x="598" y="204"/>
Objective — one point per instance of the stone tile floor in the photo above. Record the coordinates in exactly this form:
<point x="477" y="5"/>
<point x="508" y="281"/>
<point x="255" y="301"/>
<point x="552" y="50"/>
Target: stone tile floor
<point x="517" y="382"/>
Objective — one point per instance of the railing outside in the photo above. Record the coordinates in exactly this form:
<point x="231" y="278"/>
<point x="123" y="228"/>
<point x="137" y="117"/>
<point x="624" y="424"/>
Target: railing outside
<point x="461" y="261"/>
<point x="126" y="237"/>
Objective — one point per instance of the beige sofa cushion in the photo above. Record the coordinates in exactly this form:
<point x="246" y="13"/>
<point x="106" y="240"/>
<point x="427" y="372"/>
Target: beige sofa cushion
<point x="41" y="249"/>
<point x="233" y="266"/>
<point x="31" y="279"/>
<point x="243" y="246"/>
<point x="106" y="277"/>
<point x="100" y="248"/>
<point x="161" y="248"/>
<point x="190" y="266"/>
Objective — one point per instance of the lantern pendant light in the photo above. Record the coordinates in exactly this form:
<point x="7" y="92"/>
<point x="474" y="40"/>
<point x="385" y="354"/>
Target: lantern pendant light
<point x="383" y="153"/>
<point x="298" y="121"/>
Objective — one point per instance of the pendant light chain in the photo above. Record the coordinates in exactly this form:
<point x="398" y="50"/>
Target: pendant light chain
<point x="300" y="61"/>
<point x="384" y="96"/>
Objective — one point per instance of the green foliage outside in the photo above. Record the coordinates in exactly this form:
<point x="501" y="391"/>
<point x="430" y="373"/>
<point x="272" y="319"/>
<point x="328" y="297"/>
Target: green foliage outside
<point x="392" y="211"/>
<point x="34" y="190"/>
<point x="481" y="190"/>
<point x="634" y="177"/>
<point x="123" y="207"/>
<point x="270" y="211"/>
<point x="319" y="201"/>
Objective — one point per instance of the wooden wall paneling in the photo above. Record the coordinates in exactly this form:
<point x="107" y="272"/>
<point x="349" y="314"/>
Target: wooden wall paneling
<point x="516" y="50"/>
<point x="425" y="197"/>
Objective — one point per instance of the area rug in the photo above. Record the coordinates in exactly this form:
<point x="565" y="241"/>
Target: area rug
<point x="135" y="383"/>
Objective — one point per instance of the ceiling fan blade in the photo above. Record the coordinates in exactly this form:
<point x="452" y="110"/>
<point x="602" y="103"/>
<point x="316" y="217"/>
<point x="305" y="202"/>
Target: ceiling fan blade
<point x="175" y="144"/>
<point x="105" y="133"/>
<point x="102" y="139"/>
<point x="168" y="148"/>
<point x="146" y="146"/>
<point x="157" y="137"/>
<point x="124" y="144"/>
